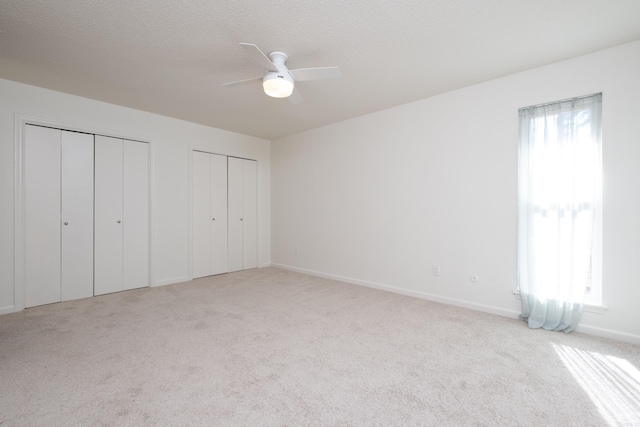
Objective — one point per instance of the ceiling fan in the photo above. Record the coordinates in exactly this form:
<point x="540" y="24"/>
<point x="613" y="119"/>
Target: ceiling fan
<point x="278" y="80"/>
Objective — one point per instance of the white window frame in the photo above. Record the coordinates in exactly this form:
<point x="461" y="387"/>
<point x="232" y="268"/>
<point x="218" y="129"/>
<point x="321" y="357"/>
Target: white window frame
<point x="593" y="297"/>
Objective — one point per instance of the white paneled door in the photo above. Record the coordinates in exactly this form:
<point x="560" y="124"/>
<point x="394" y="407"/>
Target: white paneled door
<point x="42" y="160"/>
<point x="201" y="207"/>
<point x="121" y="215"/>
<point x="242" y="199"/>
<point x="249" y="214"/>
<point x="58" y="218"/>
<point x="108" y="215"/>
<point x="219" y="220"/>
<point x="77" y="216"/>
<point x="209" y="214"/>
<point x="135" y="209"/>
<point x="86" y="215"/>
<point x="224" y="214"/>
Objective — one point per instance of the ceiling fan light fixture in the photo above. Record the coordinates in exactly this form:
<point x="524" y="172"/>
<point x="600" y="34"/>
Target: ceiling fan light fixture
<point x="277" y="85"/>
<point x="279" y="81"/>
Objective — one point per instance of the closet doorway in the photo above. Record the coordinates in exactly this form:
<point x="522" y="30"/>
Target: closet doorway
<point x="223" y="214"/>
<point x="85" y="215"/>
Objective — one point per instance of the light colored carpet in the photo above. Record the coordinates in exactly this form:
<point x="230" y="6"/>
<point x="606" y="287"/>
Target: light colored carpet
<point x="273" y="347"/>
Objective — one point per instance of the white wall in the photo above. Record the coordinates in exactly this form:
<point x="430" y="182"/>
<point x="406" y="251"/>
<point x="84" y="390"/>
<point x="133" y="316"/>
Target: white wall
<point x="379" y="199"/>
<point x="170" y="139"/>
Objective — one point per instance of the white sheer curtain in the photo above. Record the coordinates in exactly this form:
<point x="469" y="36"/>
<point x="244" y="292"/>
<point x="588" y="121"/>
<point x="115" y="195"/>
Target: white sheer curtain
<point x="559" y="190"/>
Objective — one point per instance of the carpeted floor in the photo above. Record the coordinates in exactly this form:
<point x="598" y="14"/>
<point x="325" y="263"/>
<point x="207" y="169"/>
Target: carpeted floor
<point x="271" y="347"/>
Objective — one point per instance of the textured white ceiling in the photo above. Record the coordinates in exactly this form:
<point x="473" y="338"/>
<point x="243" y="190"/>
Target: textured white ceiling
<point x="170" y="57"/>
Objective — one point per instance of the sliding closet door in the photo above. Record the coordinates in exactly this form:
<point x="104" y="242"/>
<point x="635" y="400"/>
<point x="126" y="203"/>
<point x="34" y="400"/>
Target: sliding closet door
<point x="209" y="210"/>
<point x="242" y="193"/>
<point x="77" y="216"/>
<point x="42" y="215"/>
<point x="108" y="215"/>
<point x="135" y="208"/>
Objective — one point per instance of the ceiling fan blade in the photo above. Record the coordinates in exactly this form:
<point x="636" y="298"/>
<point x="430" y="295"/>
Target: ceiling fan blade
<point x="242" y="82"/>
<point x="318" y="73"/>
<point x="295" y="97"/>
<point x="259" y="56"/>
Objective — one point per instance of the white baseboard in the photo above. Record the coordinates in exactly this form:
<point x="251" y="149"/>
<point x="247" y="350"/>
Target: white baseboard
<point x="6" y="310"/>
<point x="423" y="295"/>
<point x="171" y="281"/>
<point x="608" y="333"/>
<point x="181" y="279"/>
<point x="585" y="329"/>
<point x="591" y="308"/>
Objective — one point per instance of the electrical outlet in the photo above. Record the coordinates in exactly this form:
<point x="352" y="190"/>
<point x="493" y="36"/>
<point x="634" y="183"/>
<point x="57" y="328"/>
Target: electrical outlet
<point x="436" y="270"/>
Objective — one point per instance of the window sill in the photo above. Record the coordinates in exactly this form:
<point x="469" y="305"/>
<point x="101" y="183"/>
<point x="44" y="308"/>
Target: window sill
<point x="589" y="308"/>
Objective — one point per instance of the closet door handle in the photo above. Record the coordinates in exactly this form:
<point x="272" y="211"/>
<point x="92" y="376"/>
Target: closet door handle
<point x="213" y="219"/>
<point x="66" y="223"/>
<point x="240" y="219"/>
<point x="119" y="221"/>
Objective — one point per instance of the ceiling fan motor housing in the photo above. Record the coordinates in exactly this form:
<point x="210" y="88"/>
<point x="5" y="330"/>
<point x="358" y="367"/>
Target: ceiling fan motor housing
<point x="278" y="58"/>
<point x="278" y="84"/>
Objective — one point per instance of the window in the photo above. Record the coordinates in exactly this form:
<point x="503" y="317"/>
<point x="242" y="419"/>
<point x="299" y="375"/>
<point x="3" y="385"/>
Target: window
<point x="559" y="202"/>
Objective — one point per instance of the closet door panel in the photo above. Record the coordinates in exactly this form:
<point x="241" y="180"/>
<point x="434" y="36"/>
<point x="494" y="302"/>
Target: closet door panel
<point x="201" y="214"/>
<point x="108" y="215"/>
<point x="77" y="216"/>
<point x="218" y="214"/>
<point x="135" y="215"/>
<point x="249" y="214"/>
<point x="42" y="215"/>
<point x="235" y="208"/>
